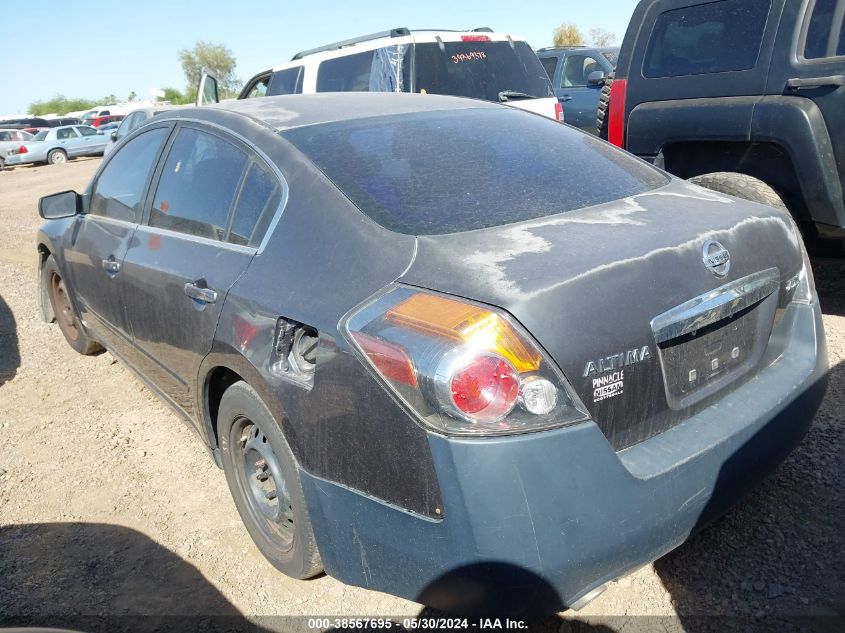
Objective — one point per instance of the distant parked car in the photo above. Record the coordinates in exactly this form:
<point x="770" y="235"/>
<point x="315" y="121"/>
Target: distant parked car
<point x="108" y="118"/>
<point x="10" y="139"/>
<point x="57" y="145"/>
<point x="134" y="120"/>
<point x="577" y="75"/>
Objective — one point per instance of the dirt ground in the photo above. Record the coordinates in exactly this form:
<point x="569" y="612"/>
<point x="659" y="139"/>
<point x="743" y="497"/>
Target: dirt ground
<point x="109" y="505"/>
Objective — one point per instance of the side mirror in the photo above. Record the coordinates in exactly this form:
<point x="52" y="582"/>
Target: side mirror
<point x="596" y="78"/>
<point x="60" y="205"/>
<point x="114" y="136"/>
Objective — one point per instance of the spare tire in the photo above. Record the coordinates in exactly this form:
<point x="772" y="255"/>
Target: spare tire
<point x="603" y="112"/>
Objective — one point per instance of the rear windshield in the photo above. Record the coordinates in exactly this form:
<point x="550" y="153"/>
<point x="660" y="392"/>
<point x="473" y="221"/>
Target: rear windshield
<point x="41" y="135"/>
<point x="480" y="70"/>
<point x="450" y="171"/>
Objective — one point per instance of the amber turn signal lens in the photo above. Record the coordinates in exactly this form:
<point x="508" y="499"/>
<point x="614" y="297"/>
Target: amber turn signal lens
<point x="481" y="329"/>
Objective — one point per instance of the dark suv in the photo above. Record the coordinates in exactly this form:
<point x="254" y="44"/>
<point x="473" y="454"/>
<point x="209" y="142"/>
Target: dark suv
<point x="746" y="97"/>
<point x="578" y="74"/>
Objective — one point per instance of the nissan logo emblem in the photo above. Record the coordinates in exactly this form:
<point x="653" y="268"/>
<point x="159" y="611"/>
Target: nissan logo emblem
<point x="717" y="258"/>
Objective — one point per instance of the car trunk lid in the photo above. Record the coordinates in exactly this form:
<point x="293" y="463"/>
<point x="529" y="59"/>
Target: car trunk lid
<point x="620" y="296"/>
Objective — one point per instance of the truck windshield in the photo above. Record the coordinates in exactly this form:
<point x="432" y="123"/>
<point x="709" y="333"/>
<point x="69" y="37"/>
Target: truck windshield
<point x="440" y="172"/>
<point x="480" y="70"/>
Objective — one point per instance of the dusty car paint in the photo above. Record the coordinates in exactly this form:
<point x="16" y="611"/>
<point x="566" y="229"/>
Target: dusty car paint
<point x="399" y="508"/>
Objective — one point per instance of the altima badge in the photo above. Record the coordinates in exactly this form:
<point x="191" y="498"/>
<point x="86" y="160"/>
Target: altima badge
<point x="616" y="361"/>
<point x="717" y="258"/>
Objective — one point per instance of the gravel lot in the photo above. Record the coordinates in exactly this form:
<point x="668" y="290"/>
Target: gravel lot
<point x="109" y="505"/>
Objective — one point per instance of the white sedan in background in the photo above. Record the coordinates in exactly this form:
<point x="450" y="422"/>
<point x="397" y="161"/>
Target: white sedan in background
<point x="57" y="145"/>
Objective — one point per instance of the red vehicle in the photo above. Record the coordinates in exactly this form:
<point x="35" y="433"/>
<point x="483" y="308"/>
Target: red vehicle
<point x="102" y="120"/>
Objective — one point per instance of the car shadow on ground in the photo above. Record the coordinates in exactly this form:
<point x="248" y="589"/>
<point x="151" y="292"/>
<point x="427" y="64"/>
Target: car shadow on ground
<point x="10" y="357"/>
<point x="781" y="550"/>
<point x="95" y="577"/>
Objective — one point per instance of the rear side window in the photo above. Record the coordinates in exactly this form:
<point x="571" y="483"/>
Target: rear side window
<point x="66" y="134"/>
<point x="282" y="82"/>
<point x="458" y="170"/>
<point x="826" y="30"/>
<point x="119" y="190"/>
<point x="258" y="200"/>
<point x="550" y="65"/>
<point x="198" y="184"/>
<point x="716" y="37"/>
<point x="380" y="70"/>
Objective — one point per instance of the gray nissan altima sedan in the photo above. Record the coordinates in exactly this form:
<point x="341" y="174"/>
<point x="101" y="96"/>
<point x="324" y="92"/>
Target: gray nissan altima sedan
<point x="443" y="348"/>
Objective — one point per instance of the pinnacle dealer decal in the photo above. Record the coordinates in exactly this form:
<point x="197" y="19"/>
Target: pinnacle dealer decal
<point x="608" y="386"/>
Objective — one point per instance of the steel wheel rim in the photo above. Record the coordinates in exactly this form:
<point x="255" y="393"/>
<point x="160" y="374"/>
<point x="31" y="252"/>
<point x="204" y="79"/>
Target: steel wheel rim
<point x="58" y="157"/>
<point x="61" y="306"/>
<point x="262" y="483"/>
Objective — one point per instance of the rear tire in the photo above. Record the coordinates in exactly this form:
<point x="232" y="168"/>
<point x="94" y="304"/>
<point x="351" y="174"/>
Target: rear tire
<point x="740" y="186"/>
<point x="63" y="312"/>
<point x="56" y="157"/>
<point x="603" y="111"/>
<point x="264" y="481"/>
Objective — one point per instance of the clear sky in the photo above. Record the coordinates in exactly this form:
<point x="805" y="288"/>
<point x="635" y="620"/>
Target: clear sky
<point x="100" y="47"/>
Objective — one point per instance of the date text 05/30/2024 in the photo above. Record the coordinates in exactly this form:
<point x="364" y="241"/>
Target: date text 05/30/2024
<point x="416" y="624"/>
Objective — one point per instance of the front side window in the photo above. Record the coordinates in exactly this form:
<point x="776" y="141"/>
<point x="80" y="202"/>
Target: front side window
<point x="717" y="37"/>
<point x="87" y="131"/>
<point x="577" y="69"/>
<point x="127" y="125"/>
<point x="826" y="30"/>
<point x="198" y="184"/>
<point x="458" y="170"/>
<point x="119" y="190"/>
<point x="282" y="82"/>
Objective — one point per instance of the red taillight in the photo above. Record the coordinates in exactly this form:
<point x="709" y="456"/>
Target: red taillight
<point x="616" y="120"/>
<point x="475" y="38"/>
<point x="485" y="388"/>
<point x="391" y="360"/>
<point x="23" y="150"/>
<point x="559" y="111"/>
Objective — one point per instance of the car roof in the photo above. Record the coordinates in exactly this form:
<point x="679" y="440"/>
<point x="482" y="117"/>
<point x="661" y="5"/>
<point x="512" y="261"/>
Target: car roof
<point x="403" y="37"/>
<point x="601" y="49"/>
<point x="290" y="111"/>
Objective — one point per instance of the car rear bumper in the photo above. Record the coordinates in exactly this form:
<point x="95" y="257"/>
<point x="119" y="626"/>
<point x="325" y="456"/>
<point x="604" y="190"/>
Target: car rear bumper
<point x="532" y="523"/>
<point x="17" y="159"/>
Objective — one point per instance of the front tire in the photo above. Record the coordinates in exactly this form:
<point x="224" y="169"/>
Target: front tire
<point x="264" y="481"/>
<point x="56" y="157"/>
<point x="63" y="312"/>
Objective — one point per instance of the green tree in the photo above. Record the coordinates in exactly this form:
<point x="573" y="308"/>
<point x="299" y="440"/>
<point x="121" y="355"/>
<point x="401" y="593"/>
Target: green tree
<point x="133" y="96"/>
<point x="567" y="34"/>
<point x="60" y="105"/>
<point x="176" y="97"/>
<point x="600" y="37"/>
<point x="108" y="100"/>
<point x="216" y="59"/>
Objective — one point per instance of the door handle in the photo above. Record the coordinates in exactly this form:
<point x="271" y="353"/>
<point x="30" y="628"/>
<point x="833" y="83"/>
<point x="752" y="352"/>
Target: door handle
<point x="566" y="98"/>
<point x="809" y="83"/>
<point x="111" y="266"/>
<point x="200" y="291"/>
